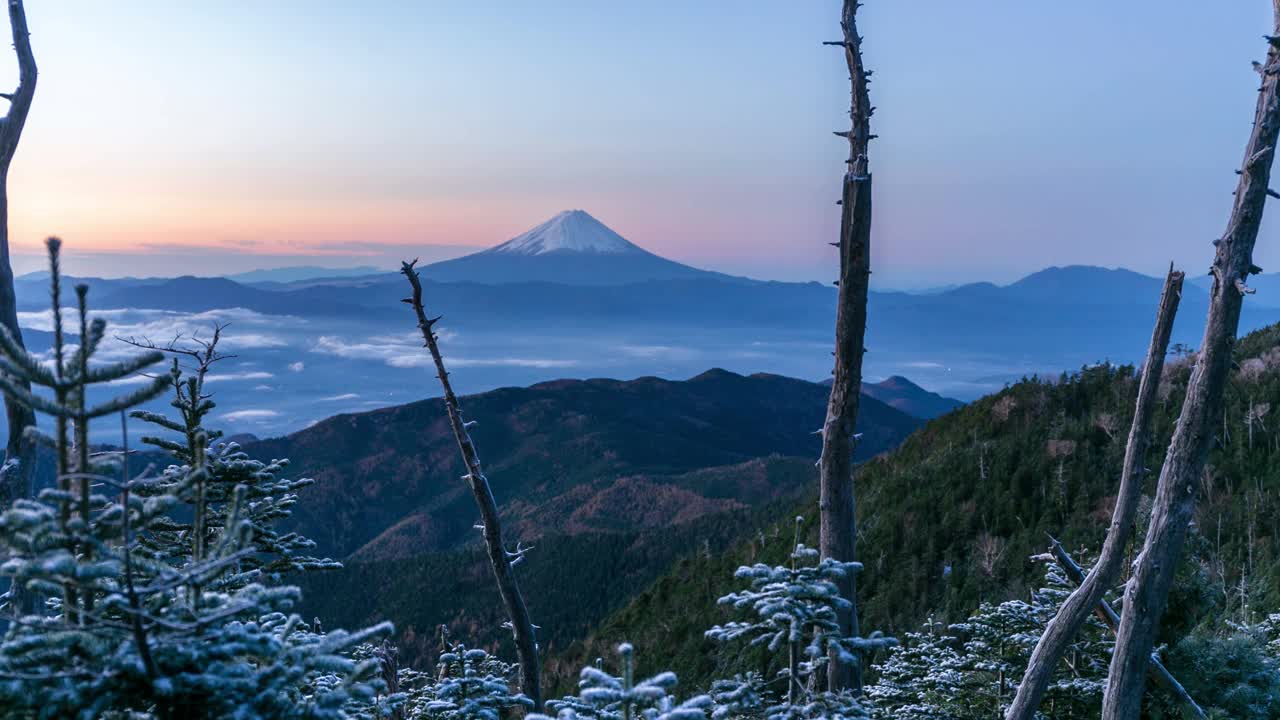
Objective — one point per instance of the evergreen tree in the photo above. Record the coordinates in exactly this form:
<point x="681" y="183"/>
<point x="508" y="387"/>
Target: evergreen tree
<point x="908" y="686"/>
<point x="622" y="697"/>
<point x="971" y="671"/>
<point x="207" y="495"/>
<point x="796" y="607"/>
<point x="129" y="631"/>
<point x="738" y="697"/>
<point x="471" y="683"/>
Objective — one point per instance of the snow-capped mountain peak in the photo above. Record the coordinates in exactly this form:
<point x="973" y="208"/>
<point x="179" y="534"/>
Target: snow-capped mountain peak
<point x="571" y="248"/>
<point x="570" y="231"/>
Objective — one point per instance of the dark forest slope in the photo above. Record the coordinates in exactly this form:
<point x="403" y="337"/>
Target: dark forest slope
<point x="950" y="518"/>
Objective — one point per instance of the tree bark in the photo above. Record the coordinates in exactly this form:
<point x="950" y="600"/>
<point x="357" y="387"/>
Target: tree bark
<point x="1062" y="629"/>
<point x="20" y="451"/>
<point x="499" y="558"/>
<point x="1175" y="503"/>
<point x="17" y="475"/>
<point x="838" y="534"/>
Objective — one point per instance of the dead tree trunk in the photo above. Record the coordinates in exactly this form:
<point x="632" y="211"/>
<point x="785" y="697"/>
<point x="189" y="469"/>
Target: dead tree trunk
<point x="1175" y="503"/>
<point x="838" y="535"/>
<point x="499" y="558"/>
<point x="18" y="472"/>
<point x="20" y="452"/>
<point x="1062" y="629"/>
<point x="1103" y="610"/>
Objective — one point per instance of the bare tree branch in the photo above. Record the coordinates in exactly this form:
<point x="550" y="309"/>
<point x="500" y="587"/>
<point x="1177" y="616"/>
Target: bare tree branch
<point x="521" y="624"/>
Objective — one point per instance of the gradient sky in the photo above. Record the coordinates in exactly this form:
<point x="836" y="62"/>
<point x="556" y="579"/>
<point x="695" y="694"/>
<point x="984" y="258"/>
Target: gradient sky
<point x="198" y="136"/>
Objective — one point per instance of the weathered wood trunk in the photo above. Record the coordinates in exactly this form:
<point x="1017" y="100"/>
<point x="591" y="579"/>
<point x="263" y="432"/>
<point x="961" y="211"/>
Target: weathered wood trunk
<point x="1103" y="610"/>
<point x="1062" y="629"/>
<point x="17" y="476"/>
<point x="1175" y="503"/>
<point x="838" y="534"/>
<point x="20" y="451"/>
<point x="499" y="559"/>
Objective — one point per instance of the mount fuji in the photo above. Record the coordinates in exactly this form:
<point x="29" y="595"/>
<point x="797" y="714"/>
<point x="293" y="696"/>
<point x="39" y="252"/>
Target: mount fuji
<point x="572" y="248"/>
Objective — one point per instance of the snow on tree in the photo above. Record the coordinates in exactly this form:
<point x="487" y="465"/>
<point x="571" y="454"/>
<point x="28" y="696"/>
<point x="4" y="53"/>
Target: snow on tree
<point x="468" y="683"/>
<point x="472" y="684"/>
<point x="908" y="688"/>
<point x="125" y="632"/>
<point x="796" y="607"/>
<point x="738" y="697"/>
<point x="746" y="697"/>
<point x="208" y="495"/>
<point x="971" y="670"/>
<point x="621" y="697"/>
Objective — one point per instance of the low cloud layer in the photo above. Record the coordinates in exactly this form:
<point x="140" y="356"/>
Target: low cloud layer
<point x="402" y="351"/>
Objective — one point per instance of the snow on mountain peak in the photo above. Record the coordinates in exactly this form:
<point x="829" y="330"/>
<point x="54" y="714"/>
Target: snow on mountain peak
<point x="571" y="231"/>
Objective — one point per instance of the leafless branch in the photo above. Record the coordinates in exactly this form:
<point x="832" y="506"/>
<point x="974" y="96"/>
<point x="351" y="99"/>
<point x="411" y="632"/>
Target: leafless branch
<point x="501" y="562"/>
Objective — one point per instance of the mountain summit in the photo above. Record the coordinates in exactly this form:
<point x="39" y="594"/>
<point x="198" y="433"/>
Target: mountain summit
<point x="569" y="231"/>
<point x="572" y="248"/>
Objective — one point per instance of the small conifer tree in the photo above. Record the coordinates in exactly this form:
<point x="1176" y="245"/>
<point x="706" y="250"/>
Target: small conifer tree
<point x="128" y="631"/>
<point x="795" y="608"/>
<point x="603" y="696"/>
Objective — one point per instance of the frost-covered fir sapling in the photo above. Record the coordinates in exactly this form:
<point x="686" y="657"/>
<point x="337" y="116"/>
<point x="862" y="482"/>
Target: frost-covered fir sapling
<point x="472" y="684"/>
<point x="468" y="683"/>
<point x="608" y="697"/>
<point x="68" y="381"/>
<point x="907" y="686"/>
<point x="271" y="498"/>
<point x="745" y="697"/>
<point x="795" y="607"/>
<point x="123" y="633"/>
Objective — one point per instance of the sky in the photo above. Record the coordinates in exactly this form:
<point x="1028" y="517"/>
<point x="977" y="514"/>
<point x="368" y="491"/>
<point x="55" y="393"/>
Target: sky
<point x="196" y="138"/>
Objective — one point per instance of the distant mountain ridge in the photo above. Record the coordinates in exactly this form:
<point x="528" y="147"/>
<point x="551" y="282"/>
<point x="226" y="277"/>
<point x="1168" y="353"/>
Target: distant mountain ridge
<point x="297" y="273"/>
<point x="568" y="455"/>
<point x="964" y="342"/>
<point x="899" y="392"/>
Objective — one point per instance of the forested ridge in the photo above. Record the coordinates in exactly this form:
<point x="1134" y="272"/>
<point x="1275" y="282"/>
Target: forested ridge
<point x="950" y="519"/>
<point x="386" y="480"/>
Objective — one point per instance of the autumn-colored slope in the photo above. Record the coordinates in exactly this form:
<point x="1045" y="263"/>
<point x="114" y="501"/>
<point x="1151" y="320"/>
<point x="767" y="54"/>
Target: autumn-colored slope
<point x="564" y="456"/>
